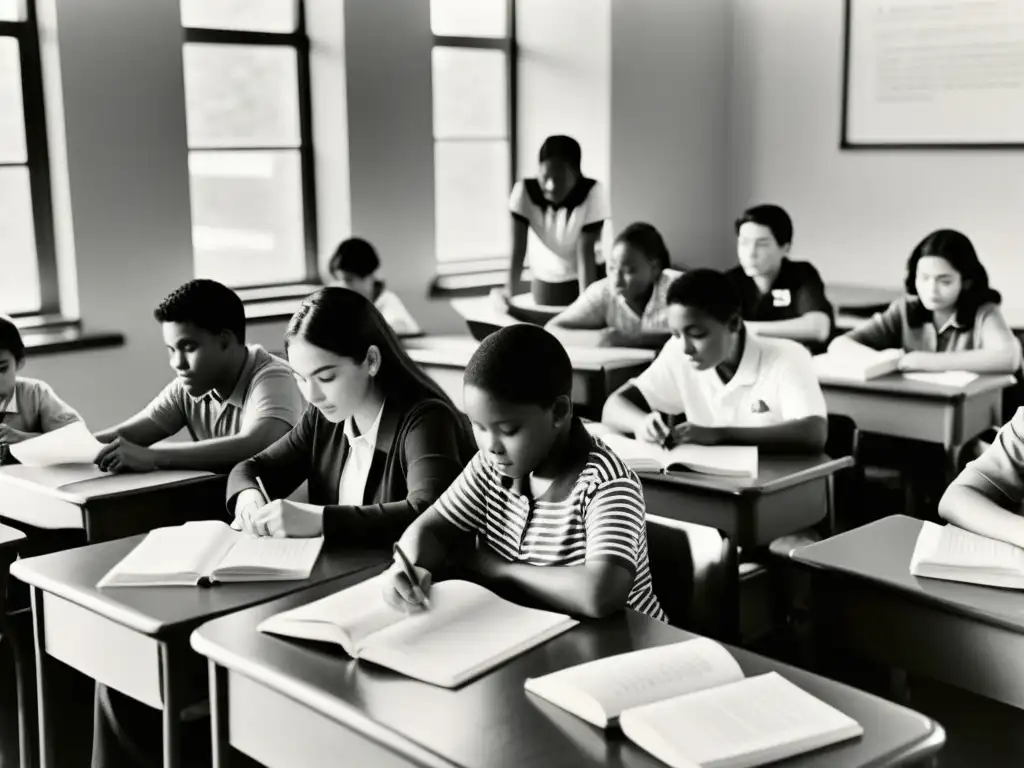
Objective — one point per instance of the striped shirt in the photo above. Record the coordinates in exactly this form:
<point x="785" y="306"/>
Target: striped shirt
<point x="602" y="518"/>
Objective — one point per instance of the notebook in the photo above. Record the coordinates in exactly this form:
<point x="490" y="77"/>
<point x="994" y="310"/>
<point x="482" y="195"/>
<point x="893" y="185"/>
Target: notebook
<point x="724" y="460"/>
<point x="856" y="364"/>
<point x="689" y="705"/>
<point x="467" y="631"/>
<point x="951" y="553"/>
<point x="208" y="551"/>
<point x="947" y="378"/>
<point x="71" y="444"/>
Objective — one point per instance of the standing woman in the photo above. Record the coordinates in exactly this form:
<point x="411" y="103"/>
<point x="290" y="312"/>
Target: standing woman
<point x="566" y="211"/>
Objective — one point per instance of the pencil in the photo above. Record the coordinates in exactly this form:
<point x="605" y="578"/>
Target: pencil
<point x="263" y="489"/>
<point x="411" y="575"/>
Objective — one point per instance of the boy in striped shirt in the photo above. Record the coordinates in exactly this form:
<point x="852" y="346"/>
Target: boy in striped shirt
<point x="540" y="492"/>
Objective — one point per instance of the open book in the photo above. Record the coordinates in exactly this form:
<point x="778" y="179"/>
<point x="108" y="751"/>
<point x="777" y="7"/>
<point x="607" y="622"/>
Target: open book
<point x="208" y="551"/>
<point x="467" y="631"/>
<point x="726" y="460"/>
<point x="689" y="705"/>
<point x="858" y="364"/>
<point x="951" y="553"/>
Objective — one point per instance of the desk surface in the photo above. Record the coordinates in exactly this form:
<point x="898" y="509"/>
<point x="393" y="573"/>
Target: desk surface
<point x="860" y="297"/>
<point x="493" y="722"/>
<point x="880" y="553"/>
<point x="774" y="473"/>
<point x="9" y="535"/>
<point x="456" y="351"/>
<point x="73" y="575"/>
<point x="896" y="385"/>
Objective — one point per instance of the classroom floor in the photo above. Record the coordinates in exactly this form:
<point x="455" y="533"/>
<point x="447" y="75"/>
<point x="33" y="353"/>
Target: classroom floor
<point x="980" y="733"/>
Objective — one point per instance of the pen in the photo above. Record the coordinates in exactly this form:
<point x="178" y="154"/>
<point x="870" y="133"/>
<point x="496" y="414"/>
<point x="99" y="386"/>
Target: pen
<point x="670" y="422"/>
<point x="411" y="575"/>
<point x="263" y="489"/>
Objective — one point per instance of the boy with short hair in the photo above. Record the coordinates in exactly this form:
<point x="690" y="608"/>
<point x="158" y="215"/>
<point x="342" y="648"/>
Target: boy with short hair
<point x="28" y="407"/>
<point x="558" y="518"/>
<point x="354" y="266"/>
<point x="734" y="388"/>
<point x="233" y="399"/>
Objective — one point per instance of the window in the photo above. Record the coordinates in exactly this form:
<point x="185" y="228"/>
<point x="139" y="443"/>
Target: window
<point x="473" y="72"/>
<point x="28" y="276"/>
<point x="250" y="148"/>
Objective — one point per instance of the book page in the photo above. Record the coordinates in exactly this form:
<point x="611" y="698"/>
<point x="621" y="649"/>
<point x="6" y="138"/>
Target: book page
<point x="857" y="364"/>
<point x="176" y="550"/>
<point x="949" y="546"/>
<point x="636" y="453"/>
<point x="71" y="444"/>
<point x="255" y="555"/>
<point x="751" y="722"/>
<point x="947" y="378"/>
<point x="600" y="690"/>
<point x="727" y="460"/>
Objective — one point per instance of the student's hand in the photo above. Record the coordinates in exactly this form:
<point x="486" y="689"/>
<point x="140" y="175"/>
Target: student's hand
<point x="9" y="435"/>
<point x="398" y="591"/>
<point x="653" y="429"/>
<point x="688" y="432"/>
<point x="612" y="337"/>
<point x="914" y="361"/>
<point x="125" y="456"/>
<point x="284" y="519"/>
<point x="248" y="501"/>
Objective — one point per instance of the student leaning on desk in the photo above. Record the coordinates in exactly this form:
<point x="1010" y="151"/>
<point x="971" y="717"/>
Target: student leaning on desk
<point x="378" y="444"/>
<point x="733" y="387"/>
<point x="233" y="399"/>
<point x="543" y="512"/>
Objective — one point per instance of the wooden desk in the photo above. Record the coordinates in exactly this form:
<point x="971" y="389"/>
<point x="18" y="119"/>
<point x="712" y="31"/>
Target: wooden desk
<point x="135" y="640"/>
<point x="105" y="516"/>
<point x="324" y="705"/>
<point x="867" y="603"/>
<point x="789" y="494"/>
<point x="597" y="371"/>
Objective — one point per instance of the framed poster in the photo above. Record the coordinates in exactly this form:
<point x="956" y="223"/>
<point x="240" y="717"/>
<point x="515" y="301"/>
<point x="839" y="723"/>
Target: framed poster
<point x="933" y="73"/>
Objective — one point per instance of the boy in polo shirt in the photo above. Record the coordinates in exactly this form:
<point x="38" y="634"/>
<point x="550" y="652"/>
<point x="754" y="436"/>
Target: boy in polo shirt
<point x="779" y="297"/>
<point x="233" y="399"/>
<point x="988" y="496"/>
<point x="543" y="511"/>
<point x="733" y="387"/>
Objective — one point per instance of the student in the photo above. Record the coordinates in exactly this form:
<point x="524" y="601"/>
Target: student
<point x="28" y="407"/>
<point x="234" y="400"/>
<point x="354" y="266"/>
<point x="949" y="318"/>
<point x="566" y="211"/>
<point x="557" y="519"/>
<point x="733" y="387"/>
<point x="380" y="442"/>
<point x="987" y="497"/>
<point x="628" y="305"/>
<point x="779" y="297"/>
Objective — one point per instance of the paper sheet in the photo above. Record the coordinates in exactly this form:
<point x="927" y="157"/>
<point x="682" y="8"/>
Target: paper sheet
<point x="72" y="444"/>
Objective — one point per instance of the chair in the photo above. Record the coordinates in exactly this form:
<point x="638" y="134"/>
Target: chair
<point x="10" y="542"/>
<point x="672" y="569"/>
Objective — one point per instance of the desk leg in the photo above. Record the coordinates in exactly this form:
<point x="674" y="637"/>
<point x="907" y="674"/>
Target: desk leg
<point x="47" y="759"/>
<point x="731" y="609"/>
<point x="219" y="716"/>
<point x="172" y="709"/>
<point x="22" y="681"/>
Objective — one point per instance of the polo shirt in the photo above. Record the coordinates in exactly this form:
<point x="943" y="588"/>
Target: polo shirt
<point x="601" y="303"/>
<point x="556" y="229"/>
<point x="775" y="382"/>
<point x="34" y="407"/>
<point x="998" y="474"/>
<point x="907" y="325"/>
<point x="355" y="470"/>
<point x="796" y="290"/>
<point x="266" y="389"/>
<point x="601" y="518"/>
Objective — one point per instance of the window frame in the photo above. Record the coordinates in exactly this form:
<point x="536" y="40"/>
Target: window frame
<point x="37" y="159"/>
<point x="299" y="40"/>
<point x="485" y="266"/>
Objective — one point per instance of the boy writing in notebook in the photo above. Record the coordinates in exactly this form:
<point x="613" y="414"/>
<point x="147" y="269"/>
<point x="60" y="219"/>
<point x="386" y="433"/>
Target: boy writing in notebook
<point x="543" y="510"/>
<point x="733" y="387"/>
<point x="233" y="399"/>
<point x="28" y="407"/>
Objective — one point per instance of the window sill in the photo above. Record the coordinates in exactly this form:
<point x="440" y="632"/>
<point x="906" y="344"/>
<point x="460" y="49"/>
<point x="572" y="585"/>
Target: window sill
<point x="455" y="281"/>
<point x="274" y="303"/>
<point x="67" y="336"/>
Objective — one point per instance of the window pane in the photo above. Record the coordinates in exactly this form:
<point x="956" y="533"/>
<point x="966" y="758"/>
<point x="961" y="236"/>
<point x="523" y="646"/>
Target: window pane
<point x="241" y="96"/>
<point x="471" y="187"/>
<point x="12" y="115"/>
<point x="247" y="217"/>
<point x="470" y="93"/>
<point x="19" y="285"/>
<point x="249" y="15"/>
<point x="469" y="18"/>
<point x="12" y="10"/>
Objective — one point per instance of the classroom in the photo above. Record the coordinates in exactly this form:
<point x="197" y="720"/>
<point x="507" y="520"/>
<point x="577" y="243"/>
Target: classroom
<point x="552" y="382"/>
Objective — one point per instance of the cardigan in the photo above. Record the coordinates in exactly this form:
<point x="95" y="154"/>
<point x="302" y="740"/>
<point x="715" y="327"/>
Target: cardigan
<point x="421" y="448"/>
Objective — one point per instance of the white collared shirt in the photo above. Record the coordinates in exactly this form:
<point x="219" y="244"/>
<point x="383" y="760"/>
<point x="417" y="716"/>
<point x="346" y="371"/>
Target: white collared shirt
<point x="775" y="382"/>
<point x="352" y="484"/>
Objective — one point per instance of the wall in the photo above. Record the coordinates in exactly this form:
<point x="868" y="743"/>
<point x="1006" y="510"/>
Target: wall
<point x="670" y="77"/>
<point x="857" y="214"/>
